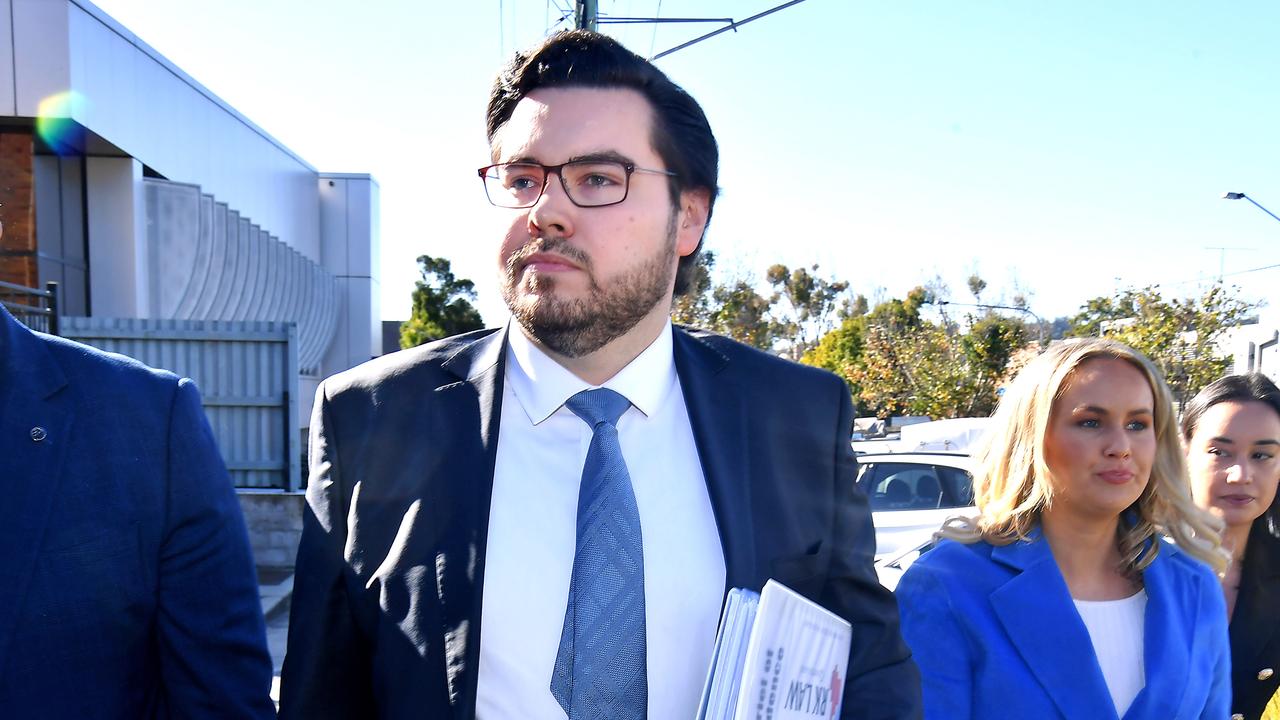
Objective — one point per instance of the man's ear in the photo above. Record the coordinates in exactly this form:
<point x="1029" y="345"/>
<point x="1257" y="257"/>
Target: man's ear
<point x="692" y="220"/>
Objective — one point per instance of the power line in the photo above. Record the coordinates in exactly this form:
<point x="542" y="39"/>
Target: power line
<point x="731" y="26"/>
<point x="1224" y="275"/>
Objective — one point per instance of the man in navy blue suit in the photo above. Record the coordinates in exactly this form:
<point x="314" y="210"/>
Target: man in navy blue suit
<point x="127" y="589"/>
<point x="541" y="521"/>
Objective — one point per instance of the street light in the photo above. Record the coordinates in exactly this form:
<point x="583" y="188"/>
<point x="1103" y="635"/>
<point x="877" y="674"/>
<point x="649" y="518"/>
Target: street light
<point x="1039" y="322"/>
<point x="1239" y="196"/>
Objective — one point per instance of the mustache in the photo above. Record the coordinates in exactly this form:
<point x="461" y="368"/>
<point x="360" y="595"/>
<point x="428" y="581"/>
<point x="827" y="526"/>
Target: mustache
<point x="553" y="244"/>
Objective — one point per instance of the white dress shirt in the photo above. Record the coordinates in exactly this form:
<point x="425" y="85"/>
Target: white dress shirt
<point x="542" y="447"/>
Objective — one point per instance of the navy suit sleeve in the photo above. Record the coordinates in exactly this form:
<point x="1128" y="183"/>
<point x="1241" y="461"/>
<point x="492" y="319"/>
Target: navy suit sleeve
<point x="326" y="669"/>
<point x="930" y="628"/>
<point x="883" y="683"/>
<point x="209" y="627"/>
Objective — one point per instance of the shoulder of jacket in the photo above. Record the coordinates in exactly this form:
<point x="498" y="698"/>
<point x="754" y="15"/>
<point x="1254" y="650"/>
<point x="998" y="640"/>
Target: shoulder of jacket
<point x="421" y="362"/>
<point x="755" y="360"/>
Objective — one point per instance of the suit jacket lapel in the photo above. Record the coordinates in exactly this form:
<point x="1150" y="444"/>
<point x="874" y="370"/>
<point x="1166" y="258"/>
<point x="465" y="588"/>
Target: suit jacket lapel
<point x="473" y="407"/>
<point x="35" y="427"/>
<point x="719" y="422"/>
<point x="1036" y="611"/>
<point x="1253" y="627"/>
<point x="1169" y="632"/>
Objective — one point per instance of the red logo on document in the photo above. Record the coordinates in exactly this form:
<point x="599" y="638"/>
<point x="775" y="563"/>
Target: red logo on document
<point x="836" y="687"/>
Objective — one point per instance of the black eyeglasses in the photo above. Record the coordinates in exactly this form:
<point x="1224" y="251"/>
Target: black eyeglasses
<point x="587" y="183"/>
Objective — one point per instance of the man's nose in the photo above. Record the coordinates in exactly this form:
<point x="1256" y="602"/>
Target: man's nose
<point x="551" y="214"/>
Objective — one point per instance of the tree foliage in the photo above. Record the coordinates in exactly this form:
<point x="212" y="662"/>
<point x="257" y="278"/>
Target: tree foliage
<point x="898" y="362"/>
<point x="806" y="307"/>
<point x="441" y="305"/>
<point x="1180" y="335"/>
<point x="734" y="308"/>
<point x="789" y="320"/>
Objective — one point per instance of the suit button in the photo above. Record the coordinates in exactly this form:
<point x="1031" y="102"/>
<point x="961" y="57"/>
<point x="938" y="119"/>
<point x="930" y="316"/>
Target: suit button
<point x="38" y="434"/>
<point x="1265" y="673"/>
<point x="1237" y="716"/>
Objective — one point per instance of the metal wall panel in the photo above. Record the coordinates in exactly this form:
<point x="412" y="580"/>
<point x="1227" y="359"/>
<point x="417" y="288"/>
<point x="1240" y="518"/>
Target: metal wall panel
<point x="247" y="373"/>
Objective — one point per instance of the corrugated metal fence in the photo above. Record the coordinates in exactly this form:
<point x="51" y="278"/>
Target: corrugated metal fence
<point x="247" y="372"/>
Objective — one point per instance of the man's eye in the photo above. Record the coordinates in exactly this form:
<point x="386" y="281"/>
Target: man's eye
<point x="521" y="182"/>
<point x="598" y="180"/>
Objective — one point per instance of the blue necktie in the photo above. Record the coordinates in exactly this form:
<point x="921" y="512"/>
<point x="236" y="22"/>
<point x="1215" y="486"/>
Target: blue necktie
<point x="600" y="667"/>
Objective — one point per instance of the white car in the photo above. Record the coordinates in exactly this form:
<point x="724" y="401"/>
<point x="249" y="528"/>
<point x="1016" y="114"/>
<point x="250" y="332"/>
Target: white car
<point x="911" y="495"/>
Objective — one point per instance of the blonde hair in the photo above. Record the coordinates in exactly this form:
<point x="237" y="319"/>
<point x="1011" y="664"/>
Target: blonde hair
<point x="1011" y="485"/>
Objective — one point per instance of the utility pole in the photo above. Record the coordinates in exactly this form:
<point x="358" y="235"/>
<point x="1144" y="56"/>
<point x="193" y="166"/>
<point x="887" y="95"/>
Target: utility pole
<point x="586" y="14"/>
<point x="1222" y="257"/>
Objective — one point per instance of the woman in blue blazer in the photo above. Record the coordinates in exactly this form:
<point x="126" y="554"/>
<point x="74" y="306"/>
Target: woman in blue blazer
<point x="1232" y="434"/>
<point x="1060" y="600"/>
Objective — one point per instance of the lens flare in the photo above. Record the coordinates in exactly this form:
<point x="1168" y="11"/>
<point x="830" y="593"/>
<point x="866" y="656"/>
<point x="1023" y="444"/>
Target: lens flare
<point x="55" y="124"/>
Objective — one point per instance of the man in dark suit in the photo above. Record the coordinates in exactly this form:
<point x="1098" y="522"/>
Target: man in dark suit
<point x="541" y="521"/>
<point x="127" y="589"/>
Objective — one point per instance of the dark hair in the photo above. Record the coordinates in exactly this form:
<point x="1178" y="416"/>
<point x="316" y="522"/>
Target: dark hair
<point x="1252" y="387"/>
<point x="682" y="136"/>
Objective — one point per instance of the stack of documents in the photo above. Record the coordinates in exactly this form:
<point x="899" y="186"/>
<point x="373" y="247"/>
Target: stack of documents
<point x="778" y="655"/>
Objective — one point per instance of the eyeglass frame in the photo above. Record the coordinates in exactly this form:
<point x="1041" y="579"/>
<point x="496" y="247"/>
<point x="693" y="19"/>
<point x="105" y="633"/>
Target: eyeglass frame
<point x="628" y="168"/>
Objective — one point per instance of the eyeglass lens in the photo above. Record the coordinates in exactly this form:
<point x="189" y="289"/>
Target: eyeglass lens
<point x="588" y="182"/>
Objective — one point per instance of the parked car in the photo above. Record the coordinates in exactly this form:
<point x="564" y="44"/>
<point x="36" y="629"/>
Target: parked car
<point x="890" y="566"/>
<point x="911" y="495"/>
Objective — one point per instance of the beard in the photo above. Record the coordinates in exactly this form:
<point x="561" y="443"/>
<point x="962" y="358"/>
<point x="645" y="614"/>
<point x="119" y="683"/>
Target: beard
<point x="580" y="326"/>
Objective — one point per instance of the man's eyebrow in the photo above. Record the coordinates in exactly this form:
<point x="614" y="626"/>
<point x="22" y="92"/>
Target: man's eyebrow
<point x="609" y="155"/>
<point x="598" y="156"/>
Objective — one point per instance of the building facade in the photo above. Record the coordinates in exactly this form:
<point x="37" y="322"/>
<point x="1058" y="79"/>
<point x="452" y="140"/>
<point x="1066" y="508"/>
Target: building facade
<point x="144" y="195"/>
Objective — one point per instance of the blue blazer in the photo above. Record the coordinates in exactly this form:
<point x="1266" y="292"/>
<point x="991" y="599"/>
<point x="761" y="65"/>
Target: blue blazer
<point x="127" y="589"/>
<point x="386" y="608"/>
<point x="996" y="634"/>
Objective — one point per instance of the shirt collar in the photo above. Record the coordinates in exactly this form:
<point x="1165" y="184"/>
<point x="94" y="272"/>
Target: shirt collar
<point x="542" y="385"/>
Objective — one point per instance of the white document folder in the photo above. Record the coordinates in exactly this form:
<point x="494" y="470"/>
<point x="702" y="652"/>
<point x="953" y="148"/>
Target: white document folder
<point x="778" y="656"/>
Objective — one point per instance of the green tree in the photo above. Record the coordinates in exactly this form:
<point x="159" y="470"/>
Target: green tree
<point x="694" y="307"/>
<point x="976" y="286"/>
<point x="740" y="312"/>
<point x="734" y="308"/>
<point x="1094" y="313"/>
<point x="1180" y="335"/>
<point x="990" y="345"/>
<point x="840" y="350"/>
<point x="441" y="305"/>
<point x="897" y="362"/>
<point x="806" y="307"/>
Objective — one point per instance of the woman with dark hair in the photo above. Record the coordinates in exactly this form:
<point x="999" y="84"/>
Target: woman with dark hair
<point x="1061" y="599"/>
<point x="1232" y="434"/>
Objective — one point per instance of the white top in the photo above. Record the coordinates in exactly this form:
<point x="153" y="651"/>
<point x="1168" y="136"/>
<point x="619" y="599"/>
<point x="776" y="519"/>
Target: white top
<point x="1116" y="628"/>
<point x="542" y="447"/>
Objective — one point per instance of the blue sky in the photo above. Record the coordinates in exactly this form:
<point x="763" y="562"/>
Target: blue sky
<point x="1058" y="149"/>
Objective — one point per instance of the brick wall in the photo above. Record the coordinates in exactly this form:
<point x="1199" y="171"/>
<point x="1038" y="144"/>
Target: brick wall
<point x="17" y="209"/>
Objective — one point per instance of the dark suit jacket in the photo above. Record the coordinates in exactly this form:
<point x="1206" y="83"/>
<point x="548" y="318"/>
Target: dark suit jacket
<point x="997" y="636"/>
<point x="1255" y="625"/>
<point x="386" y="605"/>
<point x="126" y="585"/>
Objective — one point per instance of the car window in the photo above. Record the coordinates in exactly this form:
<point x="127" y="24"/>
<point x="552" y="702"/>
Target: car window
<point x="914" y="486"/>
<point x="957" y="486"/>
